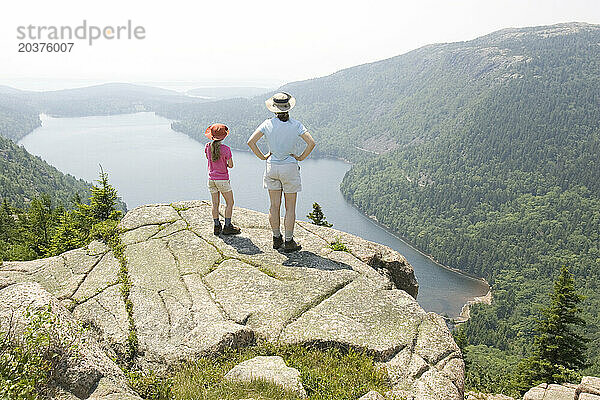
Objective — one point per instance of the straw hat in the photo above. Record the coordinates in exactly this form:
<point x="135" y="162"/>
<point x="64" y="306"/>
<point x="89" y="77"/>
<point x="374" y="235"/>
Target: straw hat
<point x="281" y="102"/>
<point x="216" y="132"/>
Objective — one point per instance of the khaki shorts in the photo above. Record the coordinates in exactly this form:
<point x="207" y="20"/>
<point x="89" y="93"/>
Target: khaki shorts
<point x="222" y="186"/>
<point x="284" y="177"/>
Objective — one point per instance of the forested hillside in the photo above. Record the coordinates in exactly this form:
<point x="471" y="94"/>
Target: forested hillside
<point x="373" y="108"/>
<point x="17" y="116"/>
<point x="509" y="189"/>
<point x="484" y="154"/>
<point x="24" y="177"/>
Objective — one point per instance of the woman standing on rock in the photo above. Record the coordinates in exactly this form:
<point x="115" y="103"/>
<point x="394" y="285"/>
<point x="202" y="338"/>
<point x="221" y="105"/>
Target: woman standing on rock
<point x="282" y="172"/>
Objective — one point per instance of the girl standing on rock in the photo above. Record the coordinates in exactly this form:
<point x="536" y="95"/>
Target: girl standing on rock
<point x="282" y="172"/>
<point x="219" y="160"/>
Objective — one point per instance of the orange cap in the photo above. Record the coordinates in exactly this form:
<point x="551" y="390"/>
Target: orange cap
<point x="216" y="132"/>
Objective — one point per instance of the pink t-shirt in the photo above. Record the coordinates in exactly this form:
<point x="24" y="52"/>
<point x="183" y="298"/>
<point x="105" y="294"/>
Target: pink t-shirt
<point x="217" y="170"/>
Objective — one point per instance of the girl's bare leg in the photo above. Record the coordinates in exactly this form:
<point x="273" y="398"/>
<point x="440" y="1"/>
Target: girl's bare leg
<point x="216" y="199"/>
<point x="228" y="196"/>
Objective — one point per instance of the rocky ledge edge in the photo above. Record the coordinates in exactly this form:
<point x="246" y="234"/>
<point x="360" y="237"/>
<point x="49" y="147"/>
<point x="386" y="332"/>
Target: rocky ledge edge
<point x="194" y="294"/>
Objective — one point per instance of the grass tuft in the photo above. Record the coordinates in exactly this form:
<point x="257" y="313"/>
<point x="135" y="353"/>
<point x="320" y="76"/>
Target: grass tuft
<point x="330" y="374"/>
<point x="338" y="245"/>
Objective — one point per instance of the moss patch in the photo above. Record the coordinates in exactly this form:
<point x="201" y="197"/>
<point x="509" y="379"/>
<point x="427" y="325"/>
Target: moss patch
<point x="109" y="233"/>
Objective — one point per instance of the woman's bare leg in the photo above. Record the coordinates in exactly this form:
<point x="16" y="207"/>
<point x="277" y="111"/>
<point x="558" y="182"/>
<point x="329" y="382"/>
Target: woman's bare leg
<point x="290" y="213"/>
<point x="274" y="210"/>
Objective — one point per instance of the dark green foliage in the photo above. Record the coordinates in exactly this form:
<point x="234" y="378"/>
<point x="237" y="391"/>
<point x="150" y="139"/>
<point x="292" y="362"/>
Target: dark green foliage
<point x="558" y="348"/>
<point x="44" y="229"/>
<point x="24" y="177"/>
<point x="17" y="116"/>
<point x="490" y="370"/>
<point x="103" y="202"/>
<point x="76" y="225"/>
<point x="507" y="188"/>
<point x="317" y="217"/>
<point x="27" y="234"/>
<point x="70" y="232"/>
<point x="15" y="122"/>
<point x="39" y="223"/>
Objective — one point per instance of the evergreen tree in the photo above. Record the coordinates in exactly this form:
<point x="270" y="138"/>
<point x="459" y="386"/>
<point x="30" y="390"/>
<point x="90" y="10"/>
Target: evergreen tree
<point x="317" y="217"/>
<point x="74" y="228"/>
<point x="7" y="221"/>
<point x="69" y="234"/>
<point x="37" y="225"/>
<point x="559" y="351"/>
<point x="103" y="201"/>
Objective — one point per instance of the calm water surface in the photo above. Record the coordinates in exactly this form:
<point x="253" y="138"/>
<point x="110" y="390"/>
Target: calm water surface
<point x="150" y="163"/>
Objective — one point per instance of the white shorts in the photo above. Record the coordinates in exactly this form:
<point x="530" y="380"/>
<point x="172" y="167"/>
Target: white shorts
<point x="284" y="177"/>
<point x="222" y="186"/>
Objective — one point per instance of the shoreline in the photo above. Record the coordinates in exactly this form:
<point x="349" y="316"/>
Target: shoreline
<point x="429" y="256"/>
<point x="464" y="314"/>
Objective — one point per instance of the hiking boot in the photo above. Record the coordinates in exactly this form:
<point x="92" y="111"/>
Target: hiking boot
<point x="231" y="230"/>
<point x="277" y="242"/>
<point x="218" y="229"/>
<point x="290" y="246"/>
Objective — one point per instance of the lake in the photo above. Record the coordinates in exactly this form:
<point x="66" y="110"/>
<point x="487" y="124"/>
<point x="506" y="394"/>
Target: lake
<point x="148" y="163"/>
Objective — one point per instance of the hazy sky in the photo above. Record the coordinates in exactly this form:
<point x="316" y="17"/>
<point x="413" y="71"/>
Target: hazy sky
<point x="256" y="43"/>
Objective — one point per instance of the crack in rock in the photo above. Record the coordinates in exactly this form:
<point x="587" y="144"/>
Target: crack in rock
<point x="98" y="292"/>
<point x="164" y="303"/>
<point x="177" y="266"/>
<point x="86" y="275"/>
<point x="312" y="305"/>
<point x="213" y="297"/>
<point x="112" y="314"/>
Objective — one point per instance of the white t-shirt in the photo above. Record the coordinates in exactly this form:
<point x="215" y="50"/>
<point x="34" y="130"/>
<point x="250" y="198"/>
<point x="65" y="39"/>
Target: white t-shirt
<point x="282" y="138"/>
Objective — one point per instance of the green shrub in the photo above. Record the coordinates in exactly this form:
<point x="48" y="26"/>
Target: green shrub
<point x="105" y="231"/>
<point x="28" y="363"/>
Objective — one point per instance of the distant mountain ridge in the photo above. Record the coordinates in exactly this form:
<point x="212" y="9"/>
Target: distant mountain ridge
<point x="227" y="92"/>
<point x="398" y="101"/>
